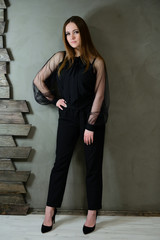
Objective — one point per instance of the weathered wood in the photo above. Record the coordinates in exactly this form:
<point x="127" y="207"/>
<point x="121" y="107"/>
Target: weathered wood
<point x="5" y="92"/>
<point x="2" y="4"/>
<point x="6" y="117"/>
<point x="3" y="81"/>
<point x="1" y="15"/>
<point x="15" y="129"/>
<point x="4" y="57"/>
<point x="14" y="209"/>
<point x="1" y="41"/>
<point x="15" y="152"/>
<point x="12" y="199"/>
<point x="7" y="164"/>
<point x="4" y="87"/>
<point x="2" y="27"/>
<point x="11" y="187"/>
<point x="3" y="68"/>
<point x="13" y="106"/>
<point x="12" y="123"/>
<point x="11" y="176"/>
<point x="6" y="141"/>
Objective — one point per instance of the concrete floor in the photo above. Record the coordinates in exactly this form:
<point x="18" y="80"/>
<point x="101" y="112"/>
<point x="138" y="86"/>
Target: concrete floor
<point x="70" y="227"/>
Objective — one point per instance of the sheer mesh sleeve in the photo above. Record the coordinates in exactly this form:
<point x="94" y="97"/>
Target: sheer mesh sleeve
<point x="44" y="81"/>
<point x="99" y="111"/>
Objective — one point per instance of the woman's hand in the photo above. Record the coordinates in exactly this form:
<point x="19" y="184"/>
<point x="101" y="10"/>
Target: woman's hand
<point x="88" y="137"/>
<point x="61" y="103"/>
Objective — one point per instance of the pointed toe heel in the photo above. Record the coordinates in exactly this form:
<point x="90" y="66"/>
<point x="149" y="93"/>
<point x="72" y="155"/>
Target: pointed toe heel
<point x="87" y="230"/>
<point x="45" y="229"/>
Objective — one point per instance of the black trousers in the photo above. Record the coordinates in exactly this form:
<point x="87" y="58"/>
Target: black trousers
<point x="71" y="125"/>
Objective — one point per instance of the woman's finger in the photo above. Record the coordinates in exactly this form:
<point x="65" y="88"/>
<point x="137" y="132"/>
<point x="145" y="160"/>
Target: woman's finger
<point x="61" y="103"/>
<point x="92" y="139"/>
<point x="88" y="137"/>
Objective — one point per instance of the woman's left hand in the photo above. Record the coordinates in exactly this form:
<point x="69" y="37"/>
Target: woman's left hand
<point x="88" y="137"/>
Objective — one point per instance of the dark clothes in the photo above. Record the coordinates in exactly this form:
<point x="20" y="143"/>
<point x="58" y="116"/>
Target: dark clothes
<point x="84" y="93"/>
<point x="67" y="135"/>
<point x="76" y="85"/>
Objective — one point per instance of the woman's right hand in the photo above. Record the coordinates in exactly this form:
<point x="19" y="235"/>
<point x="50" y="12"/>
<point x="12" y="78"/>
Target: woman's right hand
<point x="61" y="103"/>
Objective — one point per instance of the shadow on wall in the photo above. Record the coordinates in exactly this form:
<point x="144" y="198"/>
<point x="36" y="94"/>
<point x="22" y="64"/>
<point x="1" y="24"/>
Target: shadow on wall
<point x="127" y="35"/>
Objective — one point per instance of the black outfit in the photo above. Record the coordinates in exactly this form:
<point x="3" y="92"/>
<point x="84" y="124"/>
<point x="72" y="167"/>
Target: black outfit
<point x="79" y="89"/>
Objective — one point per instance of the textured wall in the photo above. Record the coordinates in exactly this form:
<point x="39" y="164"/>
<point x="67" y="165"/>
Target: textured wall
<point x="127" y="34"/>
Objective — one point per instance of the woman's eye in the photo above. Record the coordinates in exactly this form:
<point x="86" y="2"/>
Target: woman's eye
<point x="76" y="32"/>
<point x="67" y="34"/>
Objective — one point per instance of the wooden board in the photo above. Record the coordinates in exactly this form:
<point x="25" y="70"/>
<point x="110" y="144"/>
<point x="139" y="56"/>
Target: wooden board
<point x="11" y="187"/>
<point x="6" y="164"/>
<point x="2" y="4"/>
<point x="15" y="152"/>
<point x="4" y="57"/>
<point x="12" y="199"/>
<point x="5" y="92"/>
<point x="12" y="124"/>
<point x="6" y="117"/>
<point x="1" y="41"/>
<point x="2" y="27"/>
<point x="3" y="68"/>
<point x="15" y="129"/>
<point x="11" y="176"/>
<point x="7" y="141"/>
<point x="1" y="15"/>
<point x="14" y="209"/>
<point x="13" y="106"/>
<point x="3" y="81"/>
<point x="4" y="87"/>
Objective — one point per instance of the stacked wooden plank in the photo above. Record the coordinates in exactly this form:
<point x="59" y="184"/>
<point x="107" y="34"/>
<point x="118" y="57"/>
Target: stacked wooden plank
<point x="12" y="124"/>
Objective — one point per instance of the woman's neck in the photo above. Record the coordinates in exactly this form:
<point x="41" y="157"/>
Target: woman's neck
<point x="77" y="52"/>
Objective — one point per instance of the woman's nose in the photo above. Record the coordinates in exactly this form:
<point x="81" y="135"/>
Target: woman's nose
<point x="72" y="36"/>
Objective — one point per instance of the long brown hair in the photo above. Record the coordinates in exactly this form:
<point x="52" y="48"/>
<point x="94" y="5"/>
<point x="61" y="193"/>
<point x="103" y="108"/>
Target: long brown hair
<point x="87" y="49"/>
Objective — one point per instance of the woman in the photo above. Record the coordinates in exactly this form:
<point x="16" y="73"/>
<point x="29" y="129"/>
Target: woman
<point x="81" y="79"/>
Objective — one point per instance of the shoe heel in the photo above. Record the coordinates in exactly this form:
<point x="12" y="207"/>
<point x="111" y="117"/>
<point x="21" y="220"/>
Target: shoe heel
<point x="87" y="230"/>
<point x="45" y="229"/>
<point x="54" y="216"/>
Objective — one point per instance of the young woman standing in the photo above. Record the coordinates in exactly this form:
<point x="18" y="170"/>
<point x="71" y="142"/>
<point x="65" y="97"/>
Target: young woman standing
<point x="80" y="75"/>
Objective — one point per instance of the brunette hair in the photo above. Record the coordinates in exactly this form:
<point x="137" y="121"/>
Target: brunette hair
<point x="87" y="49"/>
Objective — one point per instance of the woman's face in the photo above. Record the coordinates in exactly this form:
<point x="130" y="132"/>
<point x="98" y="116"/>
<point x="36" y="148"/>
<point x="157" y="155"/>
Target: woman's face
<point x="73" y="35"/>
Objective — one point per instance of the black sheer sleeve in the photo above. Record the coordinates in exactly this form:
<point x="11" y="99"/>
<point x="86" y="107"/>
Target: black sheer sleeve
<point x="44" y="83"/>
<point x="99" y="111"/>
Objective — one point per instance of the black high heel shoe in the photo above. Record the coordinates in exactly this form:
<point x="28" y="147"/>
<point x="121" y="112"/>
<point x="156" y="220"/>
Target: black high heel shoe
<point x="44" y="228"/>
<point x="87" y="230"/>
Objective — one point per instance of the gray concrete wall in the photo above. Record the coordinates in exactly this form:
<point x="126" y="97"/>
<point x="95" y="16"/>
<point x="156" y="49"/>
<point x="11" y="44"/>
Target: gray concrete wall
<point x="127" y="34"/>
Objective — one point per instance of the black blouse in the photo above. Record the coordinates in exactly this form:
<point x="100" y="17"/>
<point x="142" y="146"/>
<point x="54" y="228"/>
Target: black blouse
<point x="81" y="89"/>
<point x="76" y="85"/>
